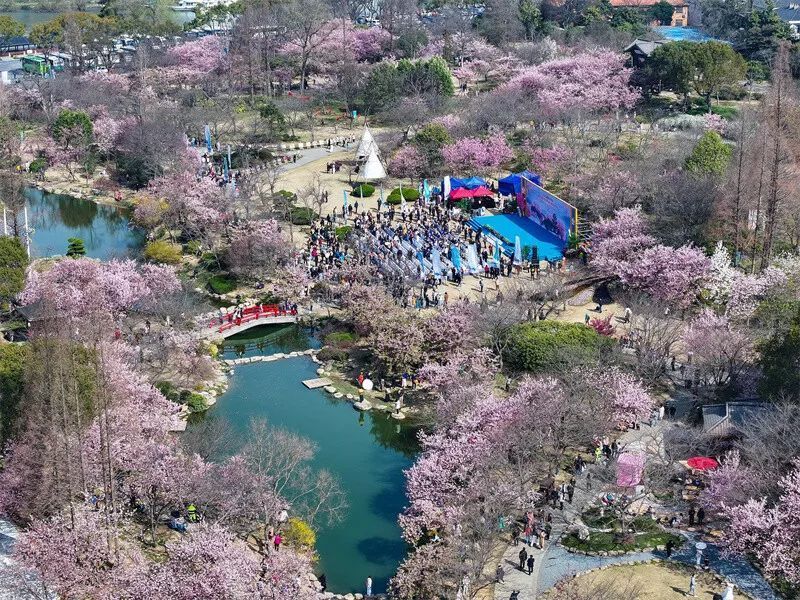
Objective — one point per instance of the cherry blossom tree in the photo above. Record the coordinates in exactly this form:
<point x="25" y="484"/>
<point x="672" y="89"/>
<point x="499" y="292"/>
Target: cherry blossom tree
<point x="469" y="155"/>
<point x="257" y="249"/>
<point x="617" y="240"/>
<point x="622" y="248"/>
<point x="94" y="293"/>
<point x="459" y="382"/>
<point x="771" y="531"/>
<point x="408" y="162"/>
<point x="71" y="555"/>
<point x="721" y="351"/>
<point x="586" y="83"/>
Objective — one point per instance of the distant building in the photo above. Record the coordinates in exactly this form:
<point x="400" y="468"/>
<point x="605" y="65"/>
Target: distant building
<point x="15" y="45"/>
<point x="10" y="70"/>
<point x="789" y="13"/>
<point x="640" y="50"/>
<point x="725" y="419"/>
<point x="680" y="9"/>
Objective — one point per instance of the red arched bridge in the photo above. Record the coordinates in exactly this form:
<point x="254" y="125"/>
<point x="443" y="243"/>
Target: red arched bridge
<point x="252" y="316"/>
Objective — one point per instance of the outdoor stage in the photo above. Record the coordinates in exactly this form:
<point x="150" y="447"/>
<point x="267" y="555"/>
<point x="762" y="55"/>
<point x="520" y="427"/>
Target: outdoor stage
<point x="530" y="234"/>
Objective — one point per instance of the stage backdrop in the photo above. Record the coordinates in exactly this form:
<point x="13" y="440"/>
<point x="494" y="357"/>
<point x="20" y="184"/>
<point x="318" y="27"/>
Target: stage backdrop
<point x="543" y="208"/>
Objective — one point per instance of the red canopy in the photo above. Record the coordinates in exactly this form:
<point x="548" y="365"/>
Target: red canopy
<point x="702" y="463"/>
<point x="461" y="193"/>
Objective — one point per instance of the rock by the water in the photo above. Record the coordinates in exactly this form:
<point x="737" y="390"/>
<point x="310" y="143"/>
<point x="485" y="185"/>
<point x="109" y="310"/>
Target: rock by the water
<point x="330" y="389"/>
<point x="338" y="395"/>
<point x="398" y="415"/>
<point x="365" y="405"/>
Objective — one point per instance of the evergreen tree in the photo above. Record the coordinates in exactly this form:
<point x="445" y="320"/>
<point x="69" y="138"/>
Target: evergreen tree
<point x="76" y="248"/>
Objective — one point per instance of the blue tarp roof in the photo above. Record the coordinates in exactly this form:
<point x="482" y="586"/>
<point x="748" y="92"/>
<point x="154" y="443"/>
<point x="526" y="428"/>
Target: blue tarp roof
<point x="677" y="34"/>
<point x="510" y="186"/>
<point x="470" y="183"/>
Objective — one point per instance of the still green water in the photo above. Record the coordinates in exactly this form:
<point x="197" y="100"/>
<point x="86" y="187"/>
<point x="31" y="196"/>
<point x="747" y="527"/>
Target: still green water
<point x="33" y="17"/>
<point x="366" y="451"/>
<point x="105" y="230"/>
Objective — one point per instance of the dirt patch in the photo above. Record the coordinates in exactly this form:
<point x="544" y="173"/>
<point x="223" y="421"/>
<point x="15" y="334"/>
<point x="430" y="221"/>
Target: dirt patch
<point x="656" y="581"/>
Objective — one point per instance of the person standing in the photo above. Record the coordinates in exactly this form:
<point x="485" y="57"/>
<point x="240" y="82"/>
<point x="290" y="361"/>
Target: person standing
<point x="523" y="557"/>
<point x="701" y="515"/>
<point x="369" y="586"/>
<point x="691" y="516"/>
<point x="499" y="574"/>
<point x="277" y="541"/>
<point x="530" y="563"/>
<point x="693" y="585"/>
<point x="570" y="492"/>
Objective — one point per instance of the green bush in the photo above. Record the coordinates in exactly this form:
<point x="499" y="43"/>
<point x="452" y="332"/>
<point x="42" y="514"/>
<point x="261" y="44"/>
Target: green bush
<point x="410" y="194"/>
<point x="162" y="251"/>
<point x="343" y="232"/>
<point x="169" y="391"/>
<point x="222" y="284"/>
<point x="302" y="215"/>
<point x="364" y="190"/>
<point x="341" y="339"/>
<point x="193" y="247"/>
<point x="195" y="402"/>
<point x="38" y="165"/>
<point x="552" y="345"/>
<point x="334" y="354"/>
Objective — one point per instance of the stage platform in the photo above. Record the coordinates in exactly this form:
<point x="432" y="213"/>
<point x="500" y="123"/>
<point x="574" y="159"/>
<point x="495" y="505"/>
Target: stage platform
<point x="530" y="234"/>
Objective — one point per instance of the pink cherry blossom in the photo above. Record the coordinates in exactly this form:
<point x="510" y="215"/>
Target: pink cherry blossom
<point x="590" y="82"/>
<point x="474" y="155"/>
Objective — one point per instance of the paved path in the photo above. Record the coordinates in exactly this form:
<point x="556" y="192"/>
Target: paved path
<point x="555" y="563"/>
<point x="309" y="155"/>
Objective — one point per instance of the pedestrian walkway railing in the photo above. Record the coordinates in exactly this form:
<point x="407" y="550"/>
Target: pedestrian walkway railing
<point x="249" y="314"/>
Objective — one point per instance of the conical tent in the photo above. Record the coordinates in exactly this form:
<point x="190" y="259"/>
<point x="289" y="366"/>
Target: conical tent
<point x="373" y="168"/>
<point x="366" y="144"/>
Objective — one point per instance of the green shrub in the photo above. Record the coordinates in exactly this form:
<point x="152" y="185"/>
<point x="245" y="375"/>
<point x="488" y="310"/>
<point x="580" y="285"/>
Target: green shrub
<point x="364" y="190"/>
<point x="302" y="215"/>
<point x="341" y="339"/>
<point x="193" y="247"/>
<point x="162" y="251"/>
<point x="76" y="247"/>
<point x="343" y="232"/>
<point x="334" y="354"/>
<point x="38" y="165"/>
<point x="195" y="402"/>
<point x="410" y="194"/>
<point x="169" y="391"/>
<point x="222" y="284"/>
<point x="550" y="345"/>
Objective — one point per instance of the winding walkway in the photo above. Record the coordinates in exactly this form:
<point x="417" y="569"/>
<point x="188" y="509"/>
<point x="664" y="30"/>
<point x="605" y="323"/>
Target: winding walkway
<point x="554" y="563"/>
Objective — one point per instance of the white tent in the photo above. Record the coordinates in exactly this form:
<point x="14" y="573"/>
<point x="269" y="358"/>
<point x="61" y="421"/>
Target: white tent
<point x="373" y="169"/>
<point x="366" y="144"/>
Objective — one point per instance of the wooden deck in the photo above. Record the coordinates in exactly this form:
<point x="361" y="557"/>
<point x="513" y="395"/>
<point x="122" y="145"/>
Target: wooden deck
<point x="319" y="382"/>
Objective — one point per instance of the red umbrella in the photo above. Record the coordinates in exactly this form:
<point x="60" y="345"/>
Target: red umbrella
<point x="702" y="463"/>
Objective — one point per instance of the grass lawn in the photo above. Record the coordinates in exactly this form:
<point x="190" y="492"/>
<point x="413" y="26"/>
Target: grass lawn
<point x="604" y="541"/>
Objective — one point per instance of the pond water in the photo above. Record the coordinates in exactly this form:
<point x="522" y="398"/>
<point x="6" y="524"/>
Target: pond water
<point x="366" y="451"/>
<point x="105" y="230"/>
<point x="33" y="17"/>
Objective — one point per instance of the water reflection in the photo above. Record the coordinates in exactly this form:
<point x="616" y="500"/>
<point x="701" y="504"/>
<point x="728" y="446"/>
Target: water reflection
<point x="106" y="230"/>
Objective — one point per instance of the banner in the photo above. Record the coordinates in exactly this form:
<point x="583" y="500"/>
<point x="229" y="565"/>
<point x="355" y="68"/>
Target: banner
<point x="208" y="138"/>
<point x="546" y="210"/>
<point x="472" y="259"/>
<point x="455" y="258"/>
<point x="436" y="261"/>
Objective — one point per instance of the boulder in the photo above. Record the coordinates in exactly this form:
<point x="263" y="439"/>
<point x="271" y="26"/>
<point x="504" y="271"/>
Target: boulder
<point x="330" y="389"/>
<point x="338" y="395"/>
